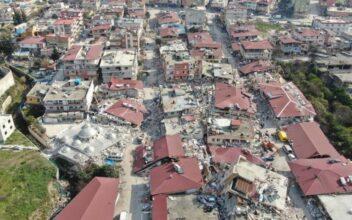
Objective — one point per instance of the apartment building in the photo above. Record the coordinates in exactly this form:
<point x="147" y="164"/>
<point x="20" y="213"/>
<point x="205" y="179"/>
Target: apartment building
<point x="82" y="61"/>
<point x="69" y="96"/>
<point x="121" y="64"/>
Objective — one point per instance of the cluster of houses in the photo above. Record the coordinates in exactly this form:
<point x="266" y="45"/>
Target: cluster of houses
<point x="223" y="137"/>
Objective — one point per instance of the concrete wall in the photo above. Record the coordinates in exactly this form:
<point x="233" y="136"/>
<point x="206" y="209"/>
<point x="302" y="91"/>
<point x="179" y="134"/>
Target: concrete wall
<point x="6" y="82"/>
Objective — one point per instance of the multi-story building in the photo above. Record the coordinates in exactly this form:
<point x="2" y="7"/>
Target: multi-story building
<point x="288" y="45"/>
<point x="82" y="61"/>
<point x="234" y="13"/>
<point x="67" y="26"/>
<point x="7" y="127"/>
<point x="33" y="44"/>
<point x="69" y="96"/>
<point x="337" y="26"/>
<point x="255" y="50"/>
<point x="121" y="64"/>
<point x="310" y="36"/>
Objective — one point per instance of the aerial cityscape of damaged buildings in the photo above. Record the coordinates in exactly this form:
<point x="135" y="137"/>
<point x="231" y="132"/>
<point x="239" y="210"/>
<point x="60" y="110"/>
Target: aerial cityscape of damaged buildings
<point x="187" y="99"/>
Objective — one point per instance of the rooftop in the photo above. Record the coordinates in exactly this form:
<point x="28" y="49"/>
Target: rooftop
<point x="286" y="100"/>
<point x="231" y="155"/>
<point x="129" y="110"/>
<point x="309" y="141"/>
<point x="257" y="45"/>
<point x="95" y="201"/>
<point x="168" y="146"/>
<point x="322" y="176"/>
<point x="123" y="58"/>
<point x="230" y="97"/>
<point x="68" y="90"/>
<point x="86" y="141"/>
<point x="256" y="66"/>
<point x="177" y="177"/>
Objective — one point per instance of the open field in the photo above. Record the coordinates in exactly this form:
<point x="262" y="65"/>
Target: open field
<point x="25" y="178"/>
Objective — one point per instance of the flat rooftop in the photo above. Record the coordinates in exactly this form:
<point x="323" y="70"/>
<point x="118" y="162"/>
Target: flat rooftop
<point x="337" y="206"/>
<point x="67" y="90"/>
<point x="124" y="58"/>
<point x="176" y="100"/>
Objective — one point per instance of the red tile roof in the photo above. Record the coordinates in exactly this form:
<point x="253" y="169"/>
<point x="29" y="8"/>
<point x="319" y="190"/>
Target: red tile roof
<point x="309" y="141"/>
<point x="72" y="53"/>
<point x="169" y="146"/>
<point x="167" y="17"/>
<point x="288" y="40"/>
<point x="165" y="179"/>
<point x="168" y="32"/>
<point x="308" y="32"/>
<point x="321" y="176"/>
<point x="227" y="96"/>
<point x="230" y="155"/>
<point x="128" y="110"/>
<point x="101" y="27"/>
<point x="123" y="84"/>
<point x="257" y="45"/>
<point x="159" y="207"/>
<point x="139" y="162"/>
<point x="236" y="47"/>
<point x="33" y="40"/>
<point x="95" y="201"/>
<point x="287" y="100"/>
<point x="241" y="33"/>
<point x="256" y="66"/>
<point x="95" y="52"/>
<point x="64" y="21"/>
<point x="199" y="37"/>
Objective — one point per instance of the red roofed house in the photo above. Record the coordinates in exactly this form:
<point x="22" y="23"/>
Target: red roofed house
<point x="164" y="149"/>
<point x="122" y="87"/>
<point x="286" y="102"/>
<point x="243" y="32"/>
<point x="169" y="146"/>
<point x="230" y="155"/>
<point x="288" y="45"/>
<point x="204" y="47"/>
<point x="322" y="176"/>
<point x="67" y="26"/>
<point x="101" y="30"/>
<point x="255" y="50"/>
<point x="310" y="36"/>
<point x="234" y="100"/>
<point x="127" y="111"/>
<point x="179" y="67"/>
<point x="32" y="43"/>
<point x="96" y="200"/>
<point x="258" y="67"/>
<point x="82" y="61"/>
<point x="167" y="18"/>
<point x="308" y="141"/>
<point x="183" y="176"/>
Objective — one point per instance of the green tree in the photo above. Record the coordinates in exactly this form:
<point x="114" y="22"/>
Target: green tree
<point x="55" y="55"/>
<point x="6" y="45"/>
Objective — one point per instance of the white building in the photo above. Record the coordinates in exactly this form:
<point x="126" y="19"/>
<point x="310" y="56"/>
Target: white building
<point x="337" y="26"/>
<point x="121" y="64"/>
<point x="73" y="98"/>
<point x="87" y="142"/>
<point x="7" y="127"/>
